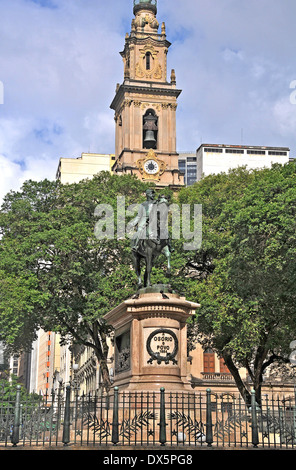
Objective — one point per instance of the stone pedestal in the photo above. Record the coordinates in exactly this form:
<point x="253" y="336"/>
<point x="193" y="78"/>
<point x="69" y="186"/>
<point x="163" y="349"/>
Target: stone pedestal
<point x="150" y="343"/>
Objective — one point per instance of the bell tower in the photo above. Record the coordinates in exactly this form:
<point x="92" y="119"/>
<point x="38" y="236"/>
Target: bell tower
<point x="145" y="103"/>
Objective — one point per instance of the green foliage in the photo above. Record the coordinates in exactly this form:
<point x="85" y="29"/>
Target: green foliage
<point x="54" y="272"/>
<point x="246" y="266"/>
<point x="57" y="275"/>
<point x="8" y="389"/>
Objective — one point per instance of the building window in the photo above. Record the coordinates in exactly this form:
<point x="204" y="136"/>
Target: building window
<point x="223" y="367"/>
<point x="256" y="152"/>
<point x="182" y="166"/>
<point x="234" y="151"/>
<point x="207" y="149"/>
<point x="209" y="361"/>
<point x="190" y="181"/>
<point x="226" y="407"/>
<point x="190" y="176"/>
<point x="191" y="169"/>
<point x="277" y="153"/>
<point x="148" y="60"/>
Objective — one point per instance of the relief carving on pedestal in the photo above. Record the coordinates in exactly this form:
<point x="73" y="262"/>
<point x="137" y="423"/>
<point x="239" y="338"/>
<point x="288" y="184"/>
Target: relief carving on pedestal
<point x="122" y="353"/>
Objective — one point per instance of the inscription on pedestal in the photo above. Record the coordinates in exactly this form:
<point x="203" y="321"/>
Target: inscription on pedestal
<point x="162" y="346"/>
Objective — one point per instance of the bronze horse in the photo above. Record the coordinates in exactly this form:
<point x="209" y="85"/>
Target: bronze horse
<point x="152" y="237"/>
<point x="148" y="251"/>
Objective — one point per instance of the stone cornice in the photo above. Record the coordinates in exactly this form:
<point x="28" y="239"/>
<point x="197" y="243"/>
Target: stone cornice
<point x="154" y="39"/>
<point x="152" y="89"/>
<point x="152" y="307"/>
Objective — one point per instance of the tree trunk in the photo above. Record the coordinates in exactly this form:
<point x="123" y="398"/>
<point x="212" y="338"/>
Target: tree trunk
<point x="105" y="373"/>
<point x="238" y="380"/>
<point x="258" y="368"/>
<point x="101" y="350"/>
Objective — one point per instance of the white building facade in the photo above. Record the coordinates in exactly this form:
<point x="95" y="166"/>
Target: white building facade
<point x="218" y="158"/>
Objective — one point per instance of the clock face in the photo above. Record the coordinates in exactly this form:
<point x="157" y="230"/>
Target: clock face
<point x="151" y="167"/>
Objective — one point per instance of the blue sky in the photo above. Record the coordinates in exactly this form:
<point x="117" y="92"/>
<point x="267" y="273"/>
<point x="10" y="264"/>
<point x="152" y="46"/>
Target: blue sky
<point x="60" y="62"/>
<point x="45" y="3"/>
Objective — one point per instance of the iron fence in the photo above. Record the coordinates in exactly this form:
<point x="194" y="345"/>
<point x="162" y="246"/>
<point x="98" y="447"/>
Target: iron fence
<point x="145" y="419"/>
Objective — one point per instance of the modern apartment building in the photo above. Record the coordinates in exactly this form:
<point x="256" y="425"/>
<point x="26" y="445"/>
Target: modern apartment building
<point x="72" y="170"/>
<point x="217" y="158"/>
<point x="188" y="166"/>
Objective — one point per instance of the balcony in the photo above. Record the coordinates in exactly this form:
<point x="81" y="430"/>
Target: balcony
<point x="217" y="376"/>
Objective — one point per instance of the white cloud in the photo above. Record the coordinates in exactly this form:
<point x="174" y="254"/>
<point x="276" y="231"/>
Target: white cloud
<point x="10" y="175"/>
<point x="285" y="115"/>
<point x="235" y="64"/>
<point x="13" y="174"/>
<point x="230" y="55"/>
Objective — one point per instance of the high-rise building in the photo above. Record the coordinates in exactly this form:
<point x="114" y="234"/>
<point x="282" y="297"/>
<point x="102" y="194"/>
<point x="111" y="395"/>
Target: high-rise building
<point x="187" y="166"/>
<point x="216" y="158"/>
<point x="45" y="362"/>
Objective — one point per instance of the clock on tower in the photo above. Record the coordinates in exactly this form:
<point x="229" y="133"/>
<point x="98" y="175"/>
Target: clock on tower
<point x="145" y="103"/>
<point x="151" y="167"/>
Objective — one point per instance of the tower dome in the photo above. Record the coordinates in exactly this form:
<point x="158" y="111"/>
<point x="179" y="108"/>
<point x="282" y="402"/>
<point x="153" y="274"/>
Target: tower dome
<point x="145" y="5"/>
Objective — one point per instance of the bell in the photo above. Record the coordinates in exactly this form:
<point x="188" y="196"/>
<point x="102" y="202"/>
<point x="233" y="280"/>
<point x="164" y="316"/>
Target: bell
<point x="149" y="141"/>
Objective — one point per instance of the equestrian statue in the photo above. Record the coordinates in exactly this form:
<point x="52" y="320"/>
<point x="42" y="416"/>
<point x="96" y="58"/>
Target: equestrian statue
<point x="152" y="237"/>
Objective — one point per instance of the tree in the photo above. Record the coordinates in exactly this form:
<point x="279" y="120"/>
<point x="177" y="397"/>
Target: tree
<point x="55" y="273"/>
<point x="246" y="268"/>
<point x="8" y="390"/>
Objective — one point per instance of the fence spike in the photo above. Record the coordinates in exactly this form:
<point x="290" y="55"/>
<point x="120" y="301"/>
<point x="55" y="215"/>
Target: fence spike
<point x="209" y="424"/>
<point x="66" y="429"/>
<point x="162" y="423"/>
<point x="255" y="435"/>
<point x="115" y="423"/>
<point x="15" y="438"/>
<point x="153" y="416"/>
